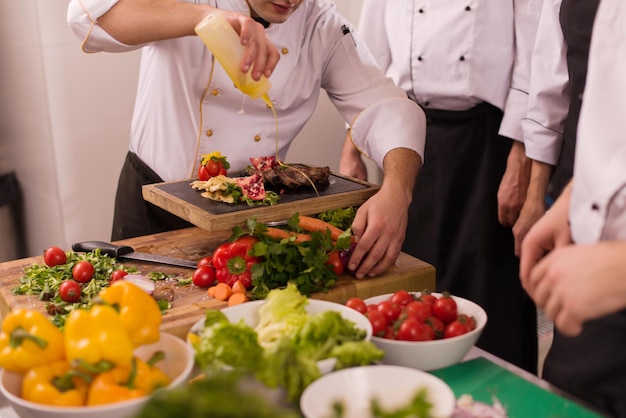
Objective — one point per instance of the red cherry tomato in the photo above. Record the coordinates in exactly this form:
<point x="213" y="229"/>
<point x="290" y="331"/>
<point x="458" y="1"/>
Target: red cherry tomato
<point x="70" y="291"/>
<point x="428" y="298"/>
<point x="357" y="304"/>
<point x="378" y="321"/>
<point x="455" y="328"/>
<point x="412" y="329"/>
<point x="419" y="310"/>
<point x="213" y="168"/>
<point x="390" y="310"/>
<point x="445" y="309"/>
<point x="470" y="321"/>
<point x="390" y="332"/>
<point x="83" y="271"/>
<point x="117" y="275"/>
<point x="402" y="297"/>
<point x="54" y="256"/>
<point x="372" y="307"/>
<point x="334" y="260"/>
<point x="204" y="276"/>
<point x="437" y="325"/>
<point x="203" y="173"/>
<point x="205" y="261"/>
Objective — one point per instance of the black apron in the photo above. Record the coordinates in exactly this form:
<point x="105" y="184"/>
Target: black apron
<point x="133" y="216"/>
<point x="453" y="224"/>
<point x="576" y="19"/>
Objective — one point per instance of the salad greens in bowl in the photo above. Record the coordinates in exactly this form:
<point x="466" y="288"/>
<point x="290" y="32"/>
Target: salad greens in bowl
<point x="286" y="340"/>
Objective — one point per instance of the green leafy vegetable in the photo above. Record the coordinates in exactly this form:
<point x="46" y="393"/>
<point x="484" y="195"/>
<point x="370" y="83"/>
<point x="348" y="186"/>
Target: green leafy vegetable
<point x="286" y="261"/>
<point x="323" y="331"/>
<point x="44" y="281"/>
<point x="418" y="407"/>
<point x="223" y="343"/>
<point x="341" y="218"/>
<point x="284" y="367"/>
<point x="223" y="395"/>
<point x="282" y="313"/>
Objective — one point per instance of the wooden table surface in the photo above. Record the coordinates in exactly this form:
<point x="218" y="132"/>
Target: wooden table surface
<point x="190" y="302"/>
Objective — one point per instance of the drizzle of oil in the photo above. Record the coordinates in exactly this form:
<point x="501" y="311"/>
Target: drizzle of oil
<point x="266" y="99"/>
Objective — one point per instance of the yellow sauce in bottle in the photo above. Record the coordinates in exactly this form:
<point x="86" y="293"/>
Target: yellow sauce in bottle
<point x="223" y="41"/>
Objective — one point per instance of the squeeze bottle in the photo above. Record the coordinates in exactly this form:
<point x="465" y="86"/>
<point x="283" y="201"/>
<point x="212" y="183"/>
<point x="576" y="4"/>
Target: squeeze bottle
<point x="223" y="41"/>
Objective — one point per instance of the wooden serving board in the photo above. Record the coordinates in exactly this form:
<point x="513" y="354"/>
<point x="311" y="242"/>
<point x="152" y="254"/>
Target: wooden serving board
<point x="183" y="201"/>
<point x="190" y="303"/>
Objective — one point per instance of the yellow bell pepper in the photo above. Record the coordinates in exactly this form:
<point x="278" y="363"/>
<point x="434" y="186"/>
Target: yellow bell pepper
<point x="96" y="340"/>
<point x="29" y="339"/>
<point x="149" y="376"/>
<point x="139" y="311"/>
<point x="56" y="384"/>
<point x="115" y="385"/>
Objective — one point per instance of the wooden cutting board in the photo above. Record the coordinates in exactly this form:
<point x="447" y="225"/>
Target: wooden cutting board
<point x="183" y="201"/>
<point x="190" y="303"/>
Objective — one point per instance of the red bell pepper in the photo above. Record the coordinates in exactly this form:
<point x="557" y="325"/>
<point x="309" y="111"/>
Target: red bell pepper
<point x="233" y="261"/>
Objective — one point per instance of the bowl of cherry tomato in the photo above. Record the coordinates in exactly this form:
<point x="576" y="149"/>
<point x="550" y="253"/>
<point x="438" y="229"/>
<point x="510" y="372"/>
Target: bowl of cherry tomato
<point x="422" y="330"/>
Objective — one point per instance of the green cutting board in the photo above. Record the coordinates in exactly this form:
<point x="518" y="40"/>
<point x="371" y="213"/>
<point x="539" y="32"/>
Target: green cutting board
<point x="483" y="379"/>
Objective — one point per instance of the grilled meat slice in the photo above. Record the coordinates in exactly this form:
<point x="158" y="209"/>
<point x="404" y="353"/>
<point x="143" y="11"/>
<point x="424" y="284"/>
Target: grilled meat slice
<point x="294" y="176"/>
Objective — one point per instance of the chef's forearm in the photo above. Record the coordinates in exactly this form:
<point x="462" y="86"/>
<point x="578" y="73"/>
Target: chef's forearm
<point x="135" y="22"/>
<point x="400" y="169"/>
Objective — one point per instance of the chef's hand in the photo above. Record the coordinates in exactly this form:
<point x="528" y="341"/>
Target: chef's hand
<point x="380" y="228"/>
<point x="261" y="55"/>
<point x="534" y="205"/>
<point x="576" y="283"/>
<point x="380" y="223"/>
<point x="514" y="184"/>
<point x="550" y="232"/>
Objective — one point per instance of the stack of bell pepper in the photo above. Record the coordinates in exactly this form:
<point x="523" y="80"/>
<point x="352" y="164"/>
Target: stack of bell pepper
<point x="92" y="361"/>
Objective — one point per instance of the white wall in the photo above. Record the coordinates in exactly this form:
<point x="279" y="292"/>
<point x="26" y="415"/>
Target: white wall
<point x="65" y="119"/>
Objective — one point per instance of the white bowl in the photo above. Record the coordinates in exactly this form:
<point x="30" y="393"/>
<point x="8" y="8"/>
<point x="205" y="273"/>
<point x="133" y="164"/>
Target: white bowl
<point x="393" y="386"/>
<point x="249" y="313"/>
<point x="177" y="365"/>
<point x="435" y="354"/>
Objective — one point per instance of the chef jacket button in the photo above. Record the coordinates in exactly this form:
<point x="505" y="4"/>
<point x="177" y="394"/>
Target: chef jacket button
<point x="284" y="51"/>
<point x="426" y="103"/>
<point x="215" y="92"/>
<point x="461" y="58"/>
<point x="419" y="58"/>
<point x="209" y="132"/>
<point x="257" y="138"/>
<point x="421" y="10"/>
<point x="595" y="206"/>
<point x="467" y="8"/>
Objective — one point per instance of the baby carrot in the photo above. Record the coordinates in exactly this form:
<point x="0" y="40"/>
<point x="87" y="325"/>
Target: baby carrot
<point x="282" y="234"/>
<point x="309" y="223"/>
<point x="223" y="291"/>
<point x="238" y="287"/>
<point x="211" y="291"/>
<point x="237" y="298"/>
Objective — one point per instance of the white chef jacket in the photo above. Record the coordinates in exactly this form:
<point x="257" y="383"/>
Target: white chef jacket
<point x="458" y="52"/>
<point x="548" y="102"/>
<point x="318" y="51"/>
<point x="598" y="201"/>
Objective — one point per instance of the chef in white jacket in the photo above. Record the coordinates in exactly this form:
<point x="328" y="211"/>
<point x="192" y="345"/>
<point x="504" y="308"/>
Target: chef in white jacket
<point x="467" y="64"/>
<point x="574" y="258"/>
<point x="177" y="110"/>
<point x="558" y="71"/>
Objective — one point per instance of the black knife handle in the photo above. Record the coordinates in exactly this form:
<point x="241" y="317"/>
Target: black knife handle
<point x="107" y="248"/>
